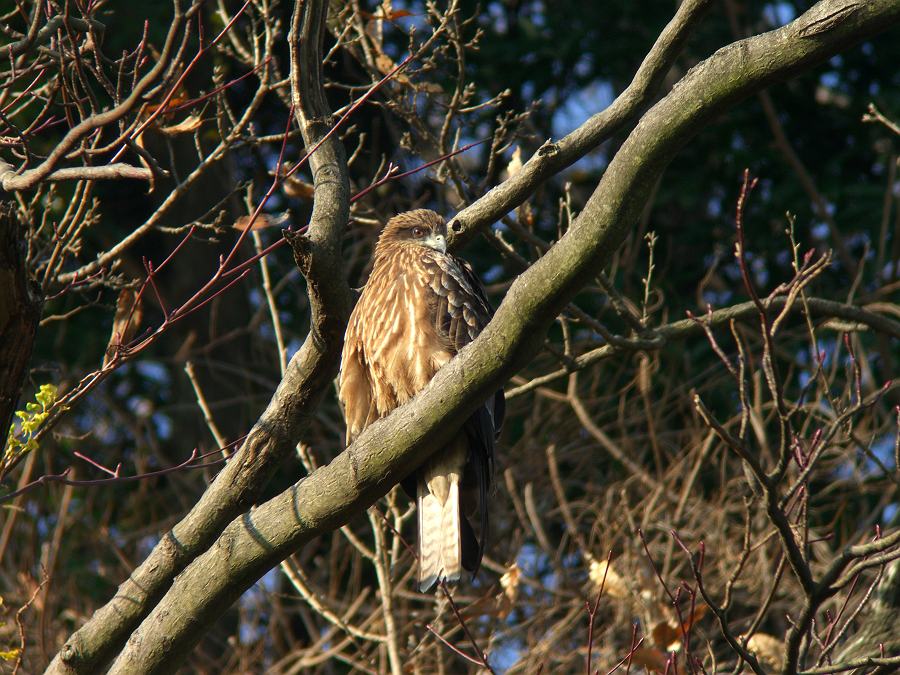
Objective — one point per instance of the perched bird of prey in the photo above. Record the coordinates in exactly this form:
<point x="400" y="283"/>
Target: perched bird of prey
<point x="420" y="306"/>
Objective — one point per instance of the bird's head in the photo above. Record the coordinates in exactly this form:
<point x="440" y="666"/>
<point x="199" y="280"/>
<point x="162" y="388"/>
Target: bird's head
<point x="415" y="228"/>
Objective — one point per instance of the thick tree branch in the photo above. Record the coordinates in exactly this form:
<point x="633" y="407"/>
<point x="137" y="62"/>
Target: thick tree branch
<point x="117" y="171"/>
<point x="308" y="376"/>
<point x="390" y="448"/>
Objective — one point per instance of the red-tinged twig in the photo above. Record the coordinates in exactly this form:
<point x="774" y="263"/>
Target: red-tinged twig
<point x="24" y="91"/>
<point x="196" y="301"/>
<point x="190" y="66"/>
<point x="481" y="655"/>
<point x="706" y="326"/>
<point x="49" y="122"/>
<point x="635" y="643"/>
<point x="799" y="456"/>
<point x="456" y="650"/>
<point x="177" y="315"/>
<point x="688" y="657"/>
<point x="276" y="181"/>
<point x="138" y="53"/>
<point x="261" y="254"/>
<point x="897" y="442"/>
<point x="175" y="251"/>
<point x="670" y="661"/>
<point x="390" y="175"/>
<point x="148" y="266"/>
<point x="61" y="477"/>
<point x="352" y="109"/>
<point x="739" y="646"/>
<point x="205" y="97"/>
<point x="850" y="619"/>
<point x="655" y="569"/>
<point x="169" y="318"/>
<point x="857" y="371"/>
<point x="674" y="598"/>
<point x="75" y="283"/>
<point x="837" y="618"/>
<point x="592" y="613"/>
<point x="399" y="536"/>
<point x="747" y="186"/>
<point x="98" y="465"/>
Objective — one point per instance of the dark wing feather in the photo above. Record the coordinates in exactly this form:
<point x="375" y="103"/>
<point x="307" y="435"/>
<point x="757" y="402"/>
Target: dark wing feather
<point x="461" y="310"/>
<point x="459" y="305"/>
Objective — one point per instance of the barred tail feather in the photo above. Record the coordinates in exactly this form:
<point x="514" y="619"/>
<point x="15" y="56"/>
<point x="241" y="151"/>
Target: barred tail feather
<point x="429" y="510"/>
<point x="451" y="549"/>
<point x="440" y="550"/>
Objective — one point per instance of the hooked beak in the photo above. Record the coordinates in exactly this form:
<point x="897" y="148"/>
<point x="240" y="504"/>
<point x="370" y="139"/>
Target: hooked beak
<point x="436" y="241"/>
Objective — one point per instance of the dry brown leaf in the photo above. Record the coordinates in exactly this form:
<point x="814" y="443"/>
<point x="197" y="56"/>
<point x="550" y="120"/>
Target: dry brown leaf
<point x="385" y="65"/>
<point x="173" y="102"/>
<point x="524" y="212"/>
<point x="294" y="187"/>
<point x="126" y="321"/>
<point x="499" y="605"/>
<point x="699" y="613"/>
<point x="515" y="162"/>
<point x="187" y="125"/>
<point x="262" y="222"/>
<point x="768" y="649"/>
<point x="666" y="636"/>
<point x="669" y="634"/>
<point x="614" y="586"/>
<point x="509" y="582"/>
<point x="391" y="15"/>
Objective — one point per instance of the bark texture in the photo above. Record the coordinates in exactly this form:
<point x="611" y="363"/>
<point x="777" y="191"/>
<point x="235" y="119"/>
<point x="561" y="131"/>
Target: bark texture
<point x="20" y="312"/>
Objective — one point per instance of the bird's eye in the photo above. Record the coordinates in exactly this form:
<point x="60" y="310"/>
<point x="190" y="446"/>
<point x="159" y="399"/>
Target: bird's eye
<point x="418" y="232"/>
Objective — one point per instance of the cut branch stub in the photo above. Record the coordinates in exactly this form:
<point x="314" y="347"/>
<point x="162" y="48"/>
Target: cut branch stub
<point x="301" y="248"/>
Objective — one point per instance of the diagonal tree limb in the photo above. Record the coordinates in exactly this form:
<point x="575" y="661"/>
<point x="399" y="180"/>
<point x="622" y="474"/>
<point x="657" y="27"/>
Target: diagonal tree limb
<point x="390" y="448"/>
<point x="551" y="158"/>
<point x="308" y="376"/>
<point x="116" y="171"/>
